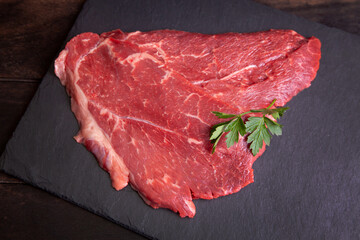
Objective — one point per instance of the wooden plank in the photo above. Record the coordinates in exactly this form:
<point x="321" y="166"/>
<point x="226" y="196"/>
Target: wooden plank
<point x="342" y="14"/>
<point x="5" y="179"/>
<point x="30" y="213"/>
<point x="14" y="98"/>
<point x="31" y="33"/>
<point x="303" y="3"/>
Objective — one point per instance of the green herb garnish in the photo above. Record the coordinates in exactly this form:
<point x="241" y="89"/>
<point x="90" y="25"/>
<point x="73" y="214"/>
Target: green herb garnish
<point x="259" y="128"/>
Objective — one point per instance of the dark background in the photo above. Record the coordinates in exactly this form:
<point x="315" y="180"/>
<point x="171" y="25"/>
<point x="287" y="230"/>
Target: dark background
<point x="31" y="33"/>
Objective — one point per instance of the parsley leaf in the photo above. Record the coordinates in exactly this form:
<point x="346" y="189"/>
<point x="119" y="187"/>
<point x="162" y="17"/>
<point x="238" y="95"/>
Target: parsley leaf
<point x="274" y="127"/>
<point x="236" y="127"/>
<point x="258" y="133"/>
<point x="217" y="132"/>
<point x="258" y="128"/>
<point x="223" y="115"/>
<point x="231" y="138"/>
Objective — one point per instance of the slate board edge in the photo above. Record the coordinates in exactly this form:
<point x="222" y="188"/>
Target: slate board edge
<point x="305" y="19"/>
<point x="77" y="204"/>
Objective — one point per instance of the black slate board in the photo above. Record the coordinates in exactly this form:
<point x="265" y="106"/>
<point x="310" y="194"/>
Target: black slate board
<point x="307" y="182"/>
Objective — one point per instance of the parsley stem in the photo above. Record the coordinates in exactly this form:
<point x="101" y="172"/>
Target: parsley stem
<point x="240" y="115"/>
<point x="271" y="104"/>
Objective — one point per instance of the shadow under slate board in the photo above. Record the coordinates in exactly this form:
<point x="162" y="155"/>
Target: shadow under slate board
<point x="306" y="183"/>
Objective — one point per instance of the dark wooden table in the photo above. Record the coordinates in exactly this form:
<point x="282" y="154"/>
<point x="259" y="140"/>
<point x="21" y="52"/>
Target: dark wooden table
<point x="31" y="33"/>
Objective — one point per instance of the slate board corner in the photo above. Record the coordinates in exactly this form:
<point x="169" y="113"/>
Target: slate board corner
<point x="2" y="160"/>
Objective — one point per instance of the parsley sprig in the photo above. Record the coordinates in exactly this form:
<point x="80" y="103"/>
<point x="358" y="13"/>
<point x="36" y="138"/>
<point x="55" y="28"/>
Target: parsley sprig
<point x="259" y="128"/>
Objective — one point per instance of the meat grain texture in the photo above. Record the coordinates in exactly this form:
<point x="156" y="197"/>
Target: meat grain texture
<point x="143" y="101"/>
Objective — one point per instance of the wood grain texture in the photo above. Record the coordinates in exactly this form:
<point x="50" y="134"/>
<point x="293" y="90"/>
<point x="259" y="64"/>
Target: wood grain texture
<point x="31" y="33"/>
<point x="29" y="213"/>
<point x="343" y="14"/>
<point x="14" y="98"/>
<point x="7" y="179"/>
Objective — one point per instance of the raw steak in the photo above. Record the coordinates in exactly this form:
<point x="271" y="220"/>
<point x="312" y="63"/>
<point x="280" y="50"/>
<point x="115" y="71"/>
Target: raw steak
<point x="144" y="102"/>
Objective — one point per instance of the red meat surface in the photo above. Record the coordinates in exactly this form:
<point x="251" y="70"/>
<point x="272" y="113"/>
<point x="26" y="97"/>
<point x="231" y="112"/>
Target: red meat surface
<point x="143" y="101"/>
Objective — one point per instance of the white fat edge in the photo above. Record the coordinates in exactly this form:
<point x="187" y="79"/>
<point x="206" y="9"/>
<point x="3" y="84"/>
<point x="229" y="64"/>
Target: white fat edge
<point x="136" y="57"/>
<point x="237" y="72"/>
<point x="89" y="128"/>
<point x="190" y="205"/>
<point x="227" y="76"/>
<point x="202" y="54"/>
<point x="202" y="81"/>
<point x="197" y="117"/>
<point x="218" y="95"/>
<point x="146" y="122"/>
<point x="190" y="95"/>
<point x="60" y="66"/>
<point x="131" y="34"/>
<point x="193" y="140"/>
<point x="85" y="39"/>
<point x="165" y="77"/>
